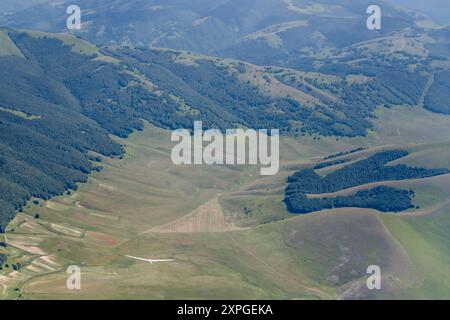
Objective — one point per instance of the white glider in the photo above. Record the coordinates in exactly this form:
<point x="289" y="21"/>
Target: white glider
<point x="151" y="260"/>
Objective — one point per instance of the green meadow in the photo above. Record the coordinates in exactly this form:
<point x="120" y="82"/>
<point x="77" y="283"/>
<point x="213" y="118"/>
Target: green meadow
<point x="228" y="230"/>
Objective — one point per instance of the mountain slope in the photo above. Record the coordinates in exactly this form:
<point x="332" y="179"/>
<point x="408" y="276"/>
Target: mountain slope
<point x="276" y="27"/>
<point x="9" y="6"/>
<point x="61" y="97"/>
<point x="436" y="9"/>
<point x="62" y="94"/>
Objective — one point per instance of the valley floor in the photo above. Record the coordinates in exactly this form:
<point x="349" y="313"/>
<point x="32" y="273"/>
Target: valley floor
<point x="228" y="230"/>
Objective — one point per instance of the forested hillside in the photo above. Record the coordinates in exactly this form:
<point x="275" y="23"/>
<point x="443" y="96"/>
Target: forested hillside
<point x="376" y="168"/>
<point x="60" y="98"/>
<point x="384" y="199"/>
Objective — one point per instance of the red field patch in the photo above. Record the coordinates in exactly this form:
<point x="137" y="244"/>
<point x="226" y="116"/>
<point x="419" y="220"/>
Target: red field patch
<point x="109" y="240"/>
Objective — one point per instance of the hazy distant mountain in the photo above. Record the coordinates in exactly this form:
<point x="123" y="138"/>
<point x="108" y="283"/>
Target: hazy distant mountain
<point x="439" y="10"/>
<point x="17" y="5"/>
<point x="258" y="31"/>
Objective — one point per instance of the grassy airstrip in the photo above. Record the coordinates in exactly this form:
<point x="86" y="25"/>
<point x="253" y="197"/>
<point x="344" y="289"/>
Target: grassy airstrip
<point x="228" y="230"/>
